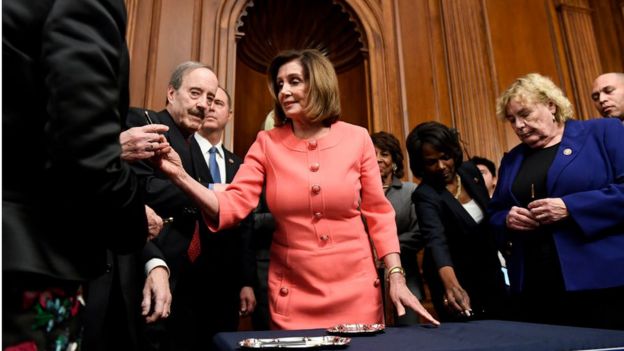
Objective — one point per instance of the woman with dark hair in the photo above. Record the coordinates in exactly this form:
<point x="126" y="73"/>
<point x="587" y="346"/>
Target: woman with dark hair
<point x="461" y="264"/>
<point x="320" y="179"/>
<point x="399" y="193"/>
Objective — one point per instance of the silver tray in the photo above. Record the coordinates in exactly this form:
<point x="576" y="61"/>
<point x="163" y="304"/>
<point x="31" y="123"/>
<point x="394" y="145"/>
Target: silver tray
<point x="298" y="342"/>
<point x="356" y="328"/>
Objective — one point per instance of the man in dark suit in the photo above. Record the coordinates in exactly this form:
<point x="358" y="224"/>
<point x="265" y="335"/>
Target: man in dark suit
<point x="119" y="301"/>
<point x="67" y="195"/>
<point x="204" y="266"/>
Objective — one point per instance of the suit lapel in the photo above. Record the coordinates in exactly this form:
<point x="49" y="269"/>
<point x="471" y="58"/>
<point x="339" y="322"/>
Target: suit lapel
<point x="202" y="172"/>
<point x="471" y="183"/>
<point x="572" y="142"/>
<point x="478" y="194"/>
<point x="177" y="140"/>
<point x="231" y="165"/>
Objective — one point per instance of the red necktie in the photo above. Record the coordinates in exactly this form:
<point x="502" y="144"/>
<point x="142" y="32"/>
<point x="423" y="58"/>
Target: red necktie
<point x="194" y="248"/>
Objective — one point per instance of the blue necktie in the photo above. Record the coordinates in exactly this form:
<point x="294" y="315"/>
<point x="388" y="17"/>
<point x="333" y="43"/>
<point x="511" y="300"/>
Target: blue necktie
<point x="214" y="167"/>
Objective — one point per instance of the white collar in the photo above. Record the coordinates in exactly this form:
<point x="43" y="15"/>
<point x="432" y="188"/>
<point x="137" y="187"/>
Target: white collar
<point x="205" y="145"/>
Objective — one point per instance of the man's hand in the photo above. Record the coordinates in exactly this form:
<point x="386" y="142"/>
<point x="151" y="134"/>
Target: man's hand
<point x="154" y="223"/>
<point x="247" y="301"/>
<point x="139" y="143"/>
<point x="156" y="295"/>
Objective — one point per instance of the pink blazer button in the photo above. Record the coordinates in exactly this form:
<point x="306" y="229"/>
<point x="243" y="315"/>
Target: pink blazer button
<point x="318" y="215"/>
<point x="284" y="291"/>
<point x="315" y="167"/>
<point x="377" y="283"/>
<point x="324" y="237"/>
<point x="312" y="144"/>
<point x="316" y="188"/>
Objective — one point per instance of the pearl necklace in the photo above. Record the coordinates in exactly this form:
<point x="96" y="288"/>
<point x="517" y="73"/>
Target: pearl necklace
<point x="459" y="187"/>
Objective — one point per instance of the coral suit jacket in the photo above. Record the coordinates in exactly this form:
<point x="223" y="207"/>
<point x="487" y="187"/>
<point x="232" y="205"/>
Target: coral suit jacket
<point x="322" y="270"/>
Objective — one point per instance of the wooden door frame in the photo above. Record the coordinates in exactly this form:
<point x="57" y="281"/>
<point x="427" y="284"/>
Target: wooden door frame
<point x="381" y="65"/>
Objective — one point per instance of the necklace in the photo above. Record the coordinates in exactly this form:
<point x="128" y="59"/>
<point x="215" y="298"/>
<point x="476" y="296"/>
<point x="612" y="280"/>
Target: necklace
<point x="459" y="187"/>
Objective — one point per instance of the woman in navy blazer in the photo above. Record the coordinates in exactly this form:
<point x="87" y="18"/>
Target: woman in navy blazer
<point x="559" y="207"/>
<point x="461" y="263"/>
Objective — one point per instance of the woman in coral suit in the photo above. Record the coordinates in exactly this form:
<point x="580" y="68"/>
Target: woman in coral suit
<point x="321" y="177"/>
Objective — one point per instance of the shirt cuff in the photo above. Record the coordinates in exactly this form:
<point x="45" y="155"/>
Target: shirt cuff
<point x="211" y="186"/>
<point x="153" y="263"/>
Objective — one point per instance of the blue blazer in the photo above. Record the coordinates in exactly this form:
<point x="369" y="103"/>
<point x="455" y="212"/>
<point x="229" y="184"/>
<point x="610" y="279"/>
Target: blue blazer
<point x="588" y="175"/>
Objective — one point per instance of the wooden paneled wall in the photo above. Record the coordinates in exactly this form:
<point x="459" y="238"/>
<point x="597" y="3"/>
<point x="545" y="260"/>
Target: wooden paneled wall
<point x="444" y="60"/>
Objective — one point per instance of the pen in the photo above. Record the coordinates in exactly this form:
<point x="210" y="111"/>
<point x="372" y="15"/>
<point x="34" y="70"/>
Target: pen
<point x="532" y="191"/>
<point x="147" y="117"/>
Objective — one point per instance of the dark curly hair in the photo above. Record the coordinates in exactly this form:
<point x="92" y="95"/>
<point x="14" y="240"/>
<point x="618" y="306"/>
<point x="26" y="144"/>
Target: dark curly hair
<point x="385" y="141"/>
<point x="441" y="137"/>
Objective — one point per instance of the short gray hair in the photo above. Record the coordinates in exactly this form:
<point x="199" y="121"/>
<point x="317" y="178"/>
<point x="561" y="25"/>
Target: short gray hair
<point x="178" y="74"/>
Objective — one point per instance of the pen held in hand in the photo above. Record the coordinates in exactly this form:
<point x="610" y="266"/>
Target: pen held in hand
<point x="148" y="118"/>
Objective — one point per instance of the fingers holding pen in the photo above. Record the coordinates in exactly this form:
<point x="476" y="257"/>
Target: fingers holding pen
<point x="143" y="142"/>
<point x="520" y="218"/>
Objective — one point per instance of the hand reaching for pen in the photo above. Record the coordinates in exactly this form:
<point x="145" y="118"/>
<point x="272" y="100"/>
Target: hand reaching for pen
<point x="170" y="163"/>
<point x="402" y="297"/>
<point x="547" y="211"/>
<point x="455" y="298"/>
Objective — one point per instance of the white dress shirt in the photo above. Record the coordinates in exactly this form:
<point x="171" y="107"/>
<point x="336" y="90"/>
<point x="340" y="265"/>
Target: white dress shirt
<point x="205" y="146"/>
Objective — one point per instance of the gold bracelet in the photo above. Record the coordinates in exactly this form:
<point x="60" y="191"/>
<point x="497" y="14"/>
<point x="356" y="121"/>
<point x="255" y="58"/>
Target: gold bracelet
<point x="395" y="269"/>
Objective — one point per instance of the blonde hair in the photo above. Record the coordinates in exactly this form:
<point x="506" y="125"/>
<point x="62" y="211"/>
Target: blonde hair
<point x="323" y="98"/>
<point x="536" y="88"/>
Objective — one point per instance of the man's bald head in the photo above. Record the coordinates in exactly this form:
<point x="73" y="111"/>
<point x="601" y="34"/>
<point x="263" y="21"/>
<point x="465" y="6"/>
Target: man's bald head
<point x="608" y="94"/>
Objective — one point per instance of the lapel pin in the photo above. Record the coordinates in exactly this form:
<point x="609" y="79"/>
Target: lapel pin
<point x="476" y="180"/>
<point x="567" y="151"/>
<point x="230" y="160"/>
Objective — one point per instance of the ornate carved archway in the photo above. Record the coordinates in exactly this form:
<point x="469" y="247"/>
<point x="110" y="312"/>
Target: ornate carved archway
<point x="383" y="100"/>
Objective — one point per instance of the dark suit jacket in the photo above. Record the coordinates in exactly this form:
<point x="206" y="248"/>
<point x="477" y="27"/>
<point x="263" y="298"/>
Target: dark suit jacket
<point x="66" y="196"/>
<point x="230" y="248"/>
<point x="454" y="239"/>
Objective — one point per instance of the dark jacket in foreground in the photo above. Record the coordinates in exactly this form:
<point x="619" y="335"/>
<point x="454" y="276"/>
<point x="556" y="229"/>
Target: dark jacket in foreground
<point x="66" y="194"/>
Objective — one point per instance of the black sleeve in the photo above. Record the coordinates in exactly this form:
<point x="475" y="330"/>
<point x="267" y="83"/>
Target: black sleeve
<point x="249" y="276"/>
<point x="85" y="70"/>
<point x="429" y="211"/>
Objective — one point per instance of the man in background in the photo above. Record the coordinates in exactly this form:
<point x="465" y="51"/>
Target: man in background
<point x="186" y="244"/>
<point x="488" y="171"/>
<point x="608" y="95"/>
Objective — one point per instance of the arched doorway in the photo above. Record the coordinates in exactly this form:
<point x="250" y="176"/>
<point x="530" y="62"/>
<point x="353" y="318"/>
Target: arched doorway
<point x="266" y="27"/>
<point x="377" y="74"/>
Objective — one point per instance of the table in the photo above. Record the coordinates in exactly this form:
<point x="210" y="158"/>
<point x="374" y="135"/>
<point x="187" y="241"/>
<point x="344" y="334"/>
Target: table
<point x="473" y="336"/>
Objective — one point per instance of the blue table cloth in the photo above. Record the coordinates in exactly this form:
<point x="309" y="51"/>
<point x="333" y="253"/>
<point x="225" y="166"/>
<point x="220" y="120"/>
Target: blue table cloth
<point x="473" y="335"/>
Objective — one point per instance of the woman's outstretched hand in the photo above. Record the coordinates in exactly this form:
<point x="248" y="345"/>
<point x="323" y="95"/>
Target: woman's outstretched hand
<point x="169" y="163"/>
<point x="402" y="297"/>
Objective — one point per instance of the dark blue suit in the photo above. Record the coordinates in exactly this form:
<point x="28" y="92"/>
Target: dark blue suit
<point x="588" y="175"/>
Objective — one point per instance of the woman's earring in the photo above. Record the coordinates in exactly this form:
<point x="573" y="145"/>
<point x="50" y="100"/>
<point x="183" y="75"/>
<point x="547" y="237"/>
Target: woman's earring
<point x="394" y="167"/>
